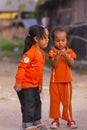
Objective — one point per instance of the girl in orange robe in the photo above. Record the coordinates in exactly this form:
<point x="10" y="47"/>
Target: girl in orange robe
<point x="62" y="59"/>
<point x="29" y="77"/>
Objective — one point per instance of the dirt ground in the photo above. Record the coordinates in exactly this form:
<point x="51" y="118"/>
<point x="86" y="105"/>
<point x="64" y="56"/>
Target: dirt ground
<point x="10" y="114"/>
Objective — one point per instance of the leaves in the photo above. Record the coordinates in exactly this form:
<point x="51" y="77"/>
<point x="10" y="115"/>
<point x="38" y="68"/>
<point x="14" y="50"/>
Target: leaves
<point x="21" y="7"/>
<point x="8" y="2"/>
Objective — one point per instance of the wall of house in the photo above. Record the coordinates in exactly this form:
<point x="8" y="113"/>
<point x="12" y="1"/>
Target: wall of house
<point x="7" y="29"/>
<point x="72" y="15"/>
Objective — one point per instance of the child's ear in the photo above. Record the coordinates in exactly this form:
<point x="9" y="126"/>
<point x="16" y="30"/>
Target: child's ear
<point x="36" y="39"/>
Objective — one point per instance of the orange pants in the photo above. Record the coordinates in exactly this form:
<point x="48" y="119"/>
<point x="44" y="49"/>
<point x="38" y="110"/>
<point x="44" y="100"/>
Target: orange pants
<point x="61" y="93"/>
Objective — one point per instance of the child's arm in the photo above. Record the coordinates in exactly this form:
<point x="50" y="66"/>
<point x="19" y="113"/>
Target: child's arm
<point x="24" y="63"/>
<point x="40" y="83"/>
<point x="54" y="61"/>
<point x="40" y="88"/>
<point x="69" y="59"/>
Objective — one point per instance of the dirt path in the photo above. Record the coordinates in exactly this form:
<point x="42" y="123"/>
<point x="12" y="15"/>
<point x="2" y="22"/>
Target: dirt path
<point x="10" y="115"/>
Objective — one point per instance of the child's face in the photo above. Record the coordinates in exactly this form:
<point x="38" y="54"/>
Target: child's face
<point x="60" y="40"/>
<point x="44" y="41"/>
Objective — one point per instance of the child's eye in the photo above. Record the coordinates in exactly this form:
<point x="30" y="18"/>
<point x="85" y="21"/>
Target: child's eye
<point x="45" y="37"/>
<point x="62" y="40"/>
<point x="58" y="41"/>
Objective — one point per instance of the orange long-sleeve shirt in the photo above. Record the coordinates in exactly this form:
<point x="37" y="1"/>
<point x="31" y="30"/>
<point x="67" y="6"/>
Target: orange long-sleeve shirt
<point x="62" y="73"/>
<point x="30" y="69"/>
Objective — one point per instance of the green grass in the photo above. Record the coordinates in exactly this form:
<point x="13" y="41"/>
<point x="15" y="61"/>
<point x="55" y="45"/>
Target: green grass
<point x="11" y="48"/>
<point x="47" y="62"/>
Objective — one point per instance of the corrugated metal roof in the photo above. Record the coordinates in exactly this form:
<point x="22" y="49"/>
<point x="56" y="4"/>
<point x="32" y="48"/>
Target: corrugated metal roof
<point x="13" y="5"/>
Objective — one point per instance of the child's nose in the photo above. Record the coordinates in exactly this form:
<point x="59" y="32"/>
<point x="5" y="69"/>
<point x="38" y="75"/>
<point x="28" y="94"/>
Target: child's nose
<point x="60" y="42"/>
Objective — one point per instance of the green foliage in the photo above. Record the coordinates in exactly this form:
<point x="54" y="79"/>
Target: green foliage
<point x="40" y="1"/>
<point x="8" y="2"/>
<point x="47" y="62"/>
<point x="10" y="48"/>
<point x="21" y="7"/>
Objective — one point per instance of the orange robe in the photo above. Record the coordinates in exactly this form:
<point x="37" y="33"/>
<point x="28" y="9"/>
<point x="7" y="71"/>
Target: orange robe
<point x="61" y="87"/>
<point x="30" y="69"/>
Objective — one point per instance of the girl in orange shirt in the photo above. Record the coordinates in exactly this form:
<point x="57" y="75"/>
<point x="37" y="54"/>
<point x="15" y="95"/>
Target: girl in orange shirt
<point x="62" y="59"/>
<point x="30" y="75"/>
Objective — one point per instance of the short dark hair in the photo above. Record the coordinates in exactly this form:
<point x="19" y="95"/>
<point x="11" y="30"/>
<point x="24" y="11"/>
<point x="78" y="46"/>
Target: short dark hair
<point x="58" y="29"/>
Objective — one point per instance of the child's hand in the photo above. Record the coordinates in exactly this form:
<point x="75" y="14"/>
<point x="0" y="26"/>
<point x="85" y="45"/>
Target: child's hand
<point x="64" y="53"/>
<point x="69" y="59"/>
<point x="17" y="87"/>
<point x="40" y="88"/>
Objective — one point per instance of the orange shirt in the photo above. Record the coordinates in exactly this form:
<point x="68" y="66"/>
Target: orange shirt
<point x="30" y="69"/>
<point x="62" y="73"/>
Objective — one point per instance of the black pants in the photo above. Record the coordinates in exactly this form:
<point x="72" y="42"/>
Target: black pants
<point x="30" y="104"/>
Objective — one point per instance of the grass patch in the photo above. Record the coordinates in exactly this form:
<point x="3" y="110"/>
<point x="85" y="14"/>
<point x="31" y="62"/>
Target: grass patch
<point x="11" y="48"/>
<point x="47" y="62"/>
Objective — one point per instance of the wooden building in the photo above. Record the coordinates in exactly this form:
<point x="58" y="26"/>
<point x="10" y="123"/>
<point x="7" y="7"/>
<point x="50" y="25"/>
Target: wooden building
<point x="73" y="15"/>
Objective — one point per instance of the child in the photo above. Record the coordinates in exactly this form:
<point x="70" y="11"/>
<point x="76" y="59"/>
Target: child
<point x="29" y="77"/>
<point x="62" y="59"/>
